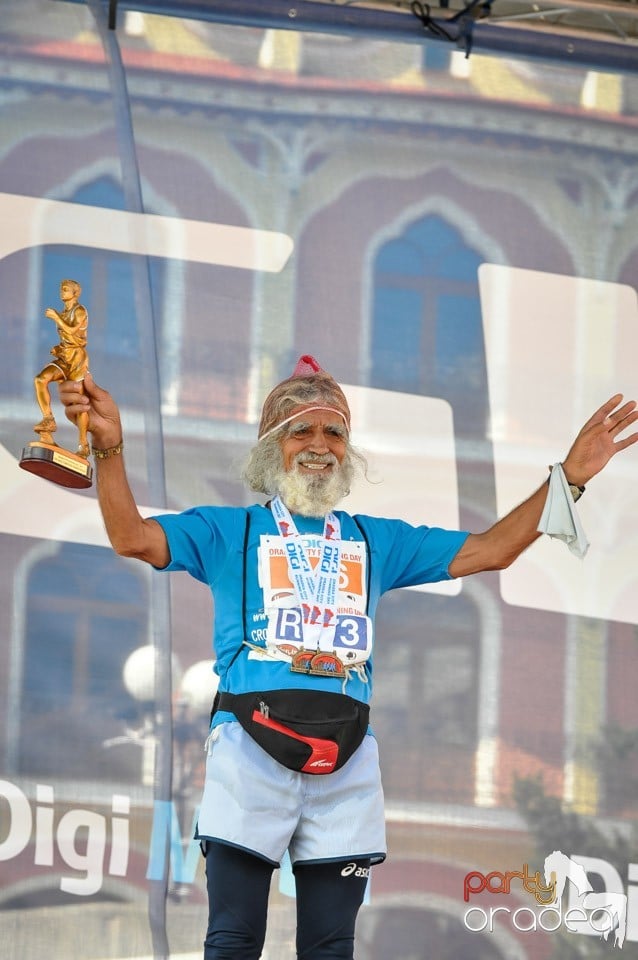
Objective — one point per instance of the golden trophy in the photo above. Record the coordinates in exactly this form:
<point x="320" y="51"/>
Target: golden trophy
<point x="70" y="362"/>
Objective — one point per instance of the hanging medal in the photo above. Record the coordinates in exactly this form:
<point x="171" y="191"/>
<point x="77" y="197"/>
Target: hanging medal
<point x="316" y="591"/>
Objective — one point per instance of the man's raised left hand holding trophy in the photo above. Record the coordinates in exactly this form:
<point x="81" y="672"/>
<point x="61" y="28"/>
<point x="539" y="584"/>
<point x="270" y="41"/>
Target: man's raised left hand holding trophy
<point x="45" y="457"/>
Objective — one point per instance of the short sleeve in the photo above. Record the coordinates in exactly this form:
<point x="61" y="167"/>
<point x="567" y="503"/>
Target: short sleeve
<point x="198" y="540"/>
<point x="412" y="555"/>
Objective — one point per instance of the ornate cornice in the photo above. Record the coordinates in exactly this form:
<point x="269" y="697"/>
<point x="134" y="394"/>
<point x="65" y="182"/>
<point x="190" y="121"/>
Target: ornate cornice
<point x="159" y="83"/>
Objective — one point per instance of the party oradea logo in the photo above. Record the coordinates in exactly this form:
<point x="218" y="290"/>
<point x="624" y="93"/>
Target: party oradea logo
<point x="589" y="912"/>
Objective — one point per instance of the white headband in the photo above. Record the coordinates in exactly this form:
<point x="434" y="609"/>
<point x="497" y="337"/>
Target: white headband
<point x="300" y="413"/>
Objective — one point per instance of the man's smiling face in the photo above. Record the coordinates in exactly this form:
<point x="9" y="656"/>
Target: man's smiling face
<point x="314" y="443"/>
<point x="316" y="470"/>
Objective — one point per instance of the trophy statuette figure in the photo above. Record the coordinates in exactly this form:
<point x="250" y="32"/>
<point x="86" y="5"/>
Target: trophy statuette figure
<point x="45" y="457"/>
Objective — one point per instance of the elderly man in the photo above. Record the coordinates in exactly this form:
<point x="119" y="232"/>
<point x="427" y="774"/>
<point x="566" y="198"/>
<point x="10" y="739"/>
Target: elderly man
<point x="291" y="763"/>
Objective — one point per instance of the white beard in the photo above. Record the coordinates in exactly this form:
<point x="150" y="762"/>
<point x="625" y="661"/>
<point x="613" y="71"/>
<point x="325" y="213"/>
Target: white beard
<point x="314" y="496"/>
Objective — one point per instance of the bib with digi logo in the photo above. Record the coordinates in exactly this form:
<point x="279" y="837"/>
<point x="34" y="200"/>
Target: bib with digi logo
<point x="314" y="589"/>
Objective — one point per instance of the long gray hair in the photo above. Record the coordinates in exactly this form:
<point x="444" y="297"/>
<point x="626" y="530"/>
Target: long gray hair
<point x="264" y="472"/>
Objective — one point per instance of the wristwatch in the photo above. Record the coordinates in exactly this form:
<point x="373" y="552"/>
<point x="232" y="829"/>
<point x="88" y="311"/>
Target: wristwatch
<point x="574" y="489"/>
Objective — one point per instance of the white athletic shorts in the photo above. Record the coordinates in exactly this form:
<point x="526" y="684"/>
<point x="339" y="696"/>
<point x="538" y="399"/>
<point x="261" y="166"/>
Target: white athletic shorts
<point x="253" y="802"/>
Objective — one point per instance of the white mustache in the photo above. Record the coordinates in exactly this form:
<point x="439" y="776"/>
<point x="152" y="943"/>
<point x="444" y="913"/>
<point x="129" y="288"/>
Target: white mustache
<point x="309" y="457"/>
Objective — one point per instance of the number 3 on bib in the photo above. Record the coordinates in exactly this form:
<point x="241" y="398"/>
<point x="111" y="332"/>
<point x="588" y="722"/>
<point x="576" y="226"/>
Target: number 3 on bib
<point x="354" y="633"/>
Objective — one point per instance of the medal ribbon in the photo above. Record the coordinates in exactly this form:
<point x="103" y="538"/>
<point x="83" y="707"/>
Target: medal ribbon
<point x="315" y="589"/>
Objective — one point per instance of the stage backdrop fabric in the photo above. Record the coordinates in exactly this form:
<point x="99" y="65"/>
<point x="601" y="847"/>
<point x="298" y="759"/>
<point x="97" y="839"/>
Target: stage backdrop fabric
<point x="456" y="241"/>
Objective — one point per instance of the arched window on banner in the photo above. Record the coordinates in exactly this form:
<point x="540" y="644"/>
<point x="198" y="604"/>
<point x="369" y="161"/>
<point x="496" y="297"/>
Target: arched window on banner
<point x="108" y="293"/>
<point x="426" y="327"/>
<point x="427" y="688"/>
<point x="86" y="612"/>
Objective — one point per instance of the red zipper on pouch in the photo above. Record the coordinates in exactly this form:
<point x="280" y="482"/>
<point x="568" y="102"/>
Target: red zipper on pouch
<point x="324" y="752"/>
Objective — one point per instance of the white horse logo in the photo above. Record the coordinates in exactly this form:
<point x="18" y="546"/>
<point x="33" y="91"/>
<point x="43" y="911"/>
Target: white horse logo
<point x="612" y="907"/>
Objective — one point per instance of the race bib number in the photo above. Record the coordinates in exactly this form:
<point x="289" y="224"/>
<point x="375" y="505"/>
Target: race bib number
<point x="352" y="640"/>
<point x="281" y="629"/>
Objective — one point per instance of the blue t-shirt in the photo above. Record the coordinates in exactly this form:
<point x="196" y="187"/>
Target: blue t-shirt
<point x="224" y="548"/>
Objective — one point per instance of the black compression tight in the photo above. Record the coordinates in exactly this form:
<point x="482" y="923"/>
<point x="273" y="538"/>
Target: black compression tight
<point x="328" y="899"/>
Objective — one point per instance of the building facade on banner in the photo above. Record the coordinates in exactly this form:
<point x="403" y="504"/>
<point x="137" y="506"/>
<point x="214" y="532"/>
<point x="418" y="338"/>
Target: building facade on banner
<point x="397" y="175"/>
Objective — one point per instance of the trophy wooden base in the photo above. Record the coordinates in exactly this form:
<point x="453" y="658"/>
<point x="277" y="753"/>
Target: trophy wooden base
<point x="54" y="463"/>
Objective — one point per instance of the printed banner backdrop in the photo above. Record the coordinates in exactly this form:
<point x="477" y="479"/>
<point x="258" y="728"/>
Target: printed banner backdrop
<point x="456" y="240"/>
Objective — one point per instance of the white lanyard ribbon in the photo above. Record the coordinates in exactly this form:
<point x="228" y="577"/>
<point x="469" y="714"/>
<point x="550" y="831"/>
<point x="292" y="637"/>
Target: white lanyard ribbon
<point x="315" y="588"/>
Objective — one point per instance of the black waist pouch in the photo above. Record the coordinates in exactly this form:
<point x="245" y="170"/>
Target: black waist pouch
<point x="305" y="730"/>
